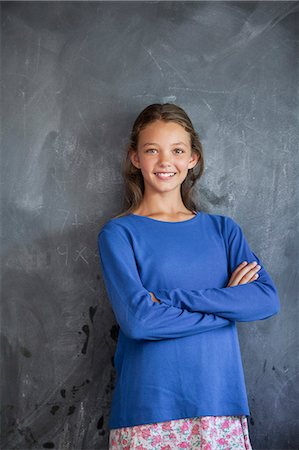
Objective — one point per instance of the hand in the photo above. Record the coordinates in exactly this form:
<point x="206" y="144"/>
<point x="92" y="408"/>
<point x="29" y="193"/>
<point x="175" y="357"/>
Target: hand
<point x="244" y="273"/>
<point x="154" y="298"/>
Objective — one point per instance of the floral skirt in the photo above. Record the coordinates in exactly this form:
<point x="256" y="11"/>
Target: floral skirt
<point x="204" y="433"/>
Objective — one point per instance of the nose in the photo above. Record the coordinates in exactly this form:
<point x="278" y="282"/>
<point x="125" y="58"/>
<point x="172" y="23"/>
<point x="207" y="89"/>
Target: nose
<point x="164" y="165"/>
<point x="164" y="161"/>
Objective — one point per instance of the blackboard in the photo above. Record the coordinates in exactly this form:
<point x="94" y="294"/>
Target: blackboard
<point x="74" y="77"/>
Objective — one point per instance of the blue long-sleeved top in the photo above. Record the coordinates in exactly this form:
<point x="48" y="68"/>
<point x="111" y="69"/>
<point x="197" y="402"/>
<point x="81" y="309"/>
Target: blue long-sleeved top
<point x="181" y="357"/>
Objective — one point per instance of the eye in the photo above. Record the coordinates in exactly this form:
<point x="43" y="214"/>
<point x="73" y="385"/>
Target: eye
<point x="181" y="150"/>
<point x="150" y="149"/>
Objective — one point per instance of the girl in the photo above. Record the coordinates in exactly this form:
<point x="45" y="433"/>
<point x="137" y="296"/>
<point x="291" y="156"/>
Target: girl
<point x="178" y="280"/>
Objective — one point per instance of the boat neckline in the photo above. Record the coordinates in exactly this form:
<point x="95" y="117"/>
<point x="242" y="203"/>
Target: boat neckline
<point x="196" y="215"/>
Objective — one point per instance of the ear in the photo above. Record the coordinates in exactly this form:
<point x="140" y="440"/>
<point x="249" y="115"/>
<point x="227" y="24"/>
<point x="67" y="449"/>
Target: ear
<point x="193" y="160"/>
<point x="133" y="155"/>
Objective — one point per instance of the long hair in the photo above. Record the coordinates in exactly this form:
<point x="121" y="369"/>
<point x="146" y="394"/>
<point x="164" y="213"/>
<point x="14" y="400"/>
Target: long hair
<point x="132" y="176"/>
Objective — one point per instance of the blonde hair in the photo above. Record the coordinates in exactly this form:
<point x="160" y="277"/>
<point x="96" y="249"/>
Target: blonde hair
<point x="132" y="176"/>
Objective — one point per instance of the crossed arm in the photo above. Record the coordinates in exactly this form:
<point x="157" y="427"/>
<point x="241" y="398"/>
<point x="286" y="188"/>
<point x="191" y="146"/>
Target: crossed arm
<point x="244" y="273"/>
<point x="172" y="313"/>
<point x="247" y="297"/>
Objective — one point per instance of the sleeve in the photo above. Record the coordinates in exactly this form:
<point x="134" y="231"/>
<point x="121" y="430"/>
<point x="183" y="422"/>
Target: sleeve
<point x="257" y="300"/>
<point x="137" y="314"/>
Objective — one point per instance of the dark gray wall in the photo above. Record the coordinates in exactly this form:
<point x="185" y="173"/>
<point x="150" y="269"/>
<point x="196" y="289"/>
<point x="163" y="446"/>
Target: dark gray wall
<point x="74" y="77"/>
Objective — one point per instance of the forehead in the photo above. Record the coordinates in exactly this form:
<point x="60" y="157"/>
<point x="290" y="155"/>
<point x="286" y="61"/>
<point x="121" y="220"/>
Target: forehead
<point x="164" y="132"/>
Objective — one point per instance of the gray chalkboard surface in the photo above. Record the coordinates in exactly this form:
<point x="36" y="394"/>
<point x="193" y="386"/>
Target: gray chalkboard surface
<point x="74" y="77"/>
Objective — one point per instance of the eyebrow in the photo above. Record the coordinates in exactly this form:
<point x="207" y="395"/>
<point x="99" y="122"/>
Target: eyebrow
<point x="154" y="143"/>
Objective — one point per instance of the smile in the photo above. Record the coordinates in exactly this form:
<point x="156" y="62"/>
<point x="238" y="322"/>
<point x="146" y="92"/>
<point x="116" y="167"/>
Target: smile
<point x="165" y="174"/>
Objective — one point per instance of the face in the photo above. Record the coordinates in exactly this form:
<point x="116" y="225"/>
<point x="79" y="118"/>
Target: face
<point x="164" y="147"/>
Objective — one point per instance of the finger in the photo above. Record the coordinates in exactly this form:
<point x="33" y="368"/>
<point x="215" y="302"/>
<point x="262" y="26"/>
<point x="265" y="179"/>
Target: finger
<point x="242" y="269"/>
<point x="250" y="274"/>
<point x="250" y="269"/>
<point x="243" y="281"/>
<point x="238" y="273"/>
<point x="154" y="298"/>
<point x="254" y="277"/>
<point x="239" y="268"/>
<point x="243" y="273"/>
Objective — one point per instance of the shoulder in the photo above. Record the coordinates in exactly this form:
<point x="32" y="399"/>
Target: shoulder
<point x="225" y="228"/>
<point x="116" y="227"/>
<point x="224" y="223"/>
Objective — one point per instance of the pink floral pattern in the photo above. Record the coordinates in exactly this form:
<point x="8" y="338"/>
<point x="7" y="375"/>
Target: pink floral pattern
<point x="203" y="433"/>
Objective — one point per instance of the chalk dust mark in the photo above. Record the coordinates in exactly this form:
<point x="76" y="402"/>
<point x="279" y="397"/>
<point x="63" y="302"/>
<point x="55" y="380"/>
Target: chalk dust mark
<point x="79" y="255"/>
<point x="64" y="253"/>
<point x="38" y="54"/>
<point x="67" y="213"/>
<point x="153" y="58"/>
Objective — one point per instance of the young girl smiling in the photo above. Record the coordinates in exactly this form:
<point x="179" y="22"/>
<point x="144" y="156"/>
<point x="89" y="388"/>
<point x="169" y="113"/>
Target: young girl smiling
<point x="178" y="280"/>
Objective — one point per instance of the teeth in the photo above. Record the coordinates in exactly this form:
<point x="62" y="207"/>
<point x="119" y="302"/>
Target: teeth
<point x="161" y="174"/>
